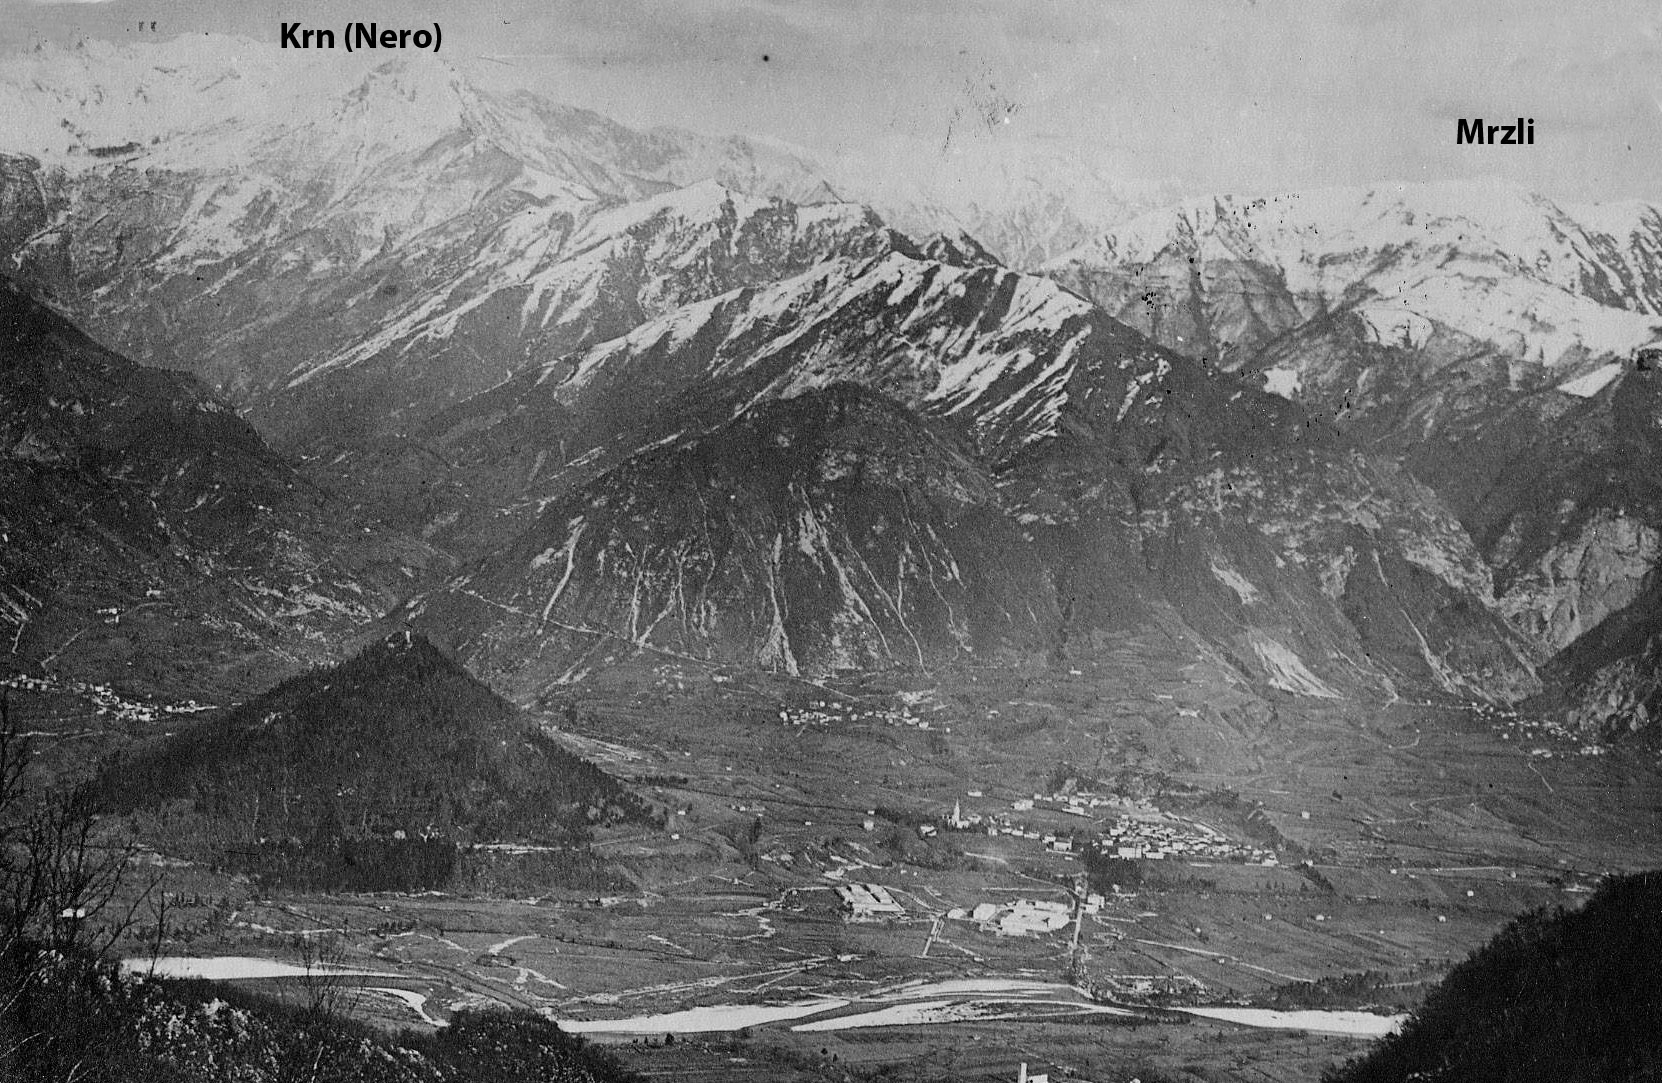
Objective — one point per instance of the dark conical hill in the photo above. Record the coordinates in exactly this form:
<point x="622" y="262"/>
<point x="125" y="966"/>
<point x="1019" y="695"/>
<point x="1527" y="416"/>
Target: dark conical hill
<point x="395" y="747"/>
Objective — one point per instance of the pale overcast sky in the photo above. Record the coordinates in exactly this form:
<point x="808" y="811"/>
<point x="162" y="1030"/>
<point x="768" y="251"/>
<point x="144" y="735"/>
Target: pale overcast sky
<point x="1213" y="94"/>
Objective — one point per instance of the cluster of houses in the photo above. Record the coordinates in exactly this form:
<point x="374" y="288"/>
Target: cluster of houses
<point x="825" y="713"/>
<point x="1136" y="838"/>
<point x="1516" y="727"/>
<point x="105" y="700"/>
<point x="1150" y="835"/>
<point x="1083" y="802"/>
<point x="999" y="824"/>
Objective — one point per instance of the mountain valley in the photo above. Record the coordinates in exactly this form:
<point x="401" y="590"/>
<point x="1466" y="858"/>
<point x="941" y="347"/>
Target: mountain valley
<point x="676" y="585"/>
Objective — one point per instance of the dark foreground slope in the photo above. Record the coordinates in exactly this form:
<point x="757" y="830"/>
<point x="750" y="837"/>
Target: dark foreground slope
<point x="80" y="1021"/>
<point x="1556" y="996"/>
<point x="366" y="775"/>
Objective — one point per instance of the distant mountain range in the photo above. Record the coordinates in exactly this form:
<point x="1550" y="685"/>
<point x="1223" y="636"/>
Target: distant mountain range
<point x="647" y="391"/>
<point x="1028" y="434"/>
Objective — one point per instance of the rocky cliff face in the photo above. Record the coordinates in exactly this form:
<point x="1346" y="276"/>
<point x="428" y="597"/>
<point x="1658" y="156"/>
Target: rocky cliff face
<point x="1481" y="336"/>
<point x="1090" y="471"/>
<point x="1605" y="562"/>
<point x="1333" y="555"/>
<point x="831" y="531"/>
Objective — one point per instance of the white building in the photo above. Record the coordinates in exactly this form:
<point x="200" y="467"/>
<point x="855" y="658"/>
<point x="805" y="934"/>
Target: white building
<point x="869" y="902"/>
<point x="1029" y="918"/>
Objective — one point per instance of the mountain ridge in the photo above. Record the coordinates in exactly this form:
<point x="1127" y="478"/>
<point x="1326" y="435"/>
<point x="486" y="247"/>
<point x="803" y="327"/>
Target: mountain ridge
<point x="1482" y="336"/>
<point x="557" y="294"/>
<point x="1084" y="435"/>
<point x="152" y="534"/>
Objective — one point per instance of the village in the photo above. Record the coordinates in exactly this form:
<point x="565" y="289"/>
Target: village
<point x="1140" y="831"/>
<point x="1536" y="736"/>
<point x="1137" y="832"/>
<point x="824" y="713"/>
<point x="102" y="701"/>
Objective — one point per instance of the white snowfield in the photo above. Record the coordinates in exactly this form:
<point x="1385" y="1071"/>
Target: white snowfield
<point x="566" y="279"/>
<point x="1363" y="1024"/>
<point x="1483" y="258"/>
<point x="151" y="93"/>
<point x="894" y="322"/>
<point x="1585" y="387"/>
<point x="112" y="95"/>
<point x="234" y="967"/>
<point x="1325" y="239"/>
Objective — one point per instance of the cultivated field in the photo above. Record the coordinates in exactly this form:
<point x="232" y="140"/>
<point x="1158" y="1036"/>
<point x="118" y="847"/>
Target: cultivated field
<point x="1406" y="834"/>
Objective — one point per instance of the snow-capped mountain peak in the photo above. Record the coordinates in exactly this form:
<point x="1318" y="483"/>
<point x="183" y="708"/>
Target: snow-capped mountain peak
<point x="1484" y="259"/>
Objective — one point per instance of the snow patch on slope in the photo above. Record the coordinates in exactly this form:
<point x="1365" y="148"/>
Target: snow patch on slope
<point x="1483" y="258"/>
<point x="1585" y="387"/>
<point x="1284" y="382"/>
